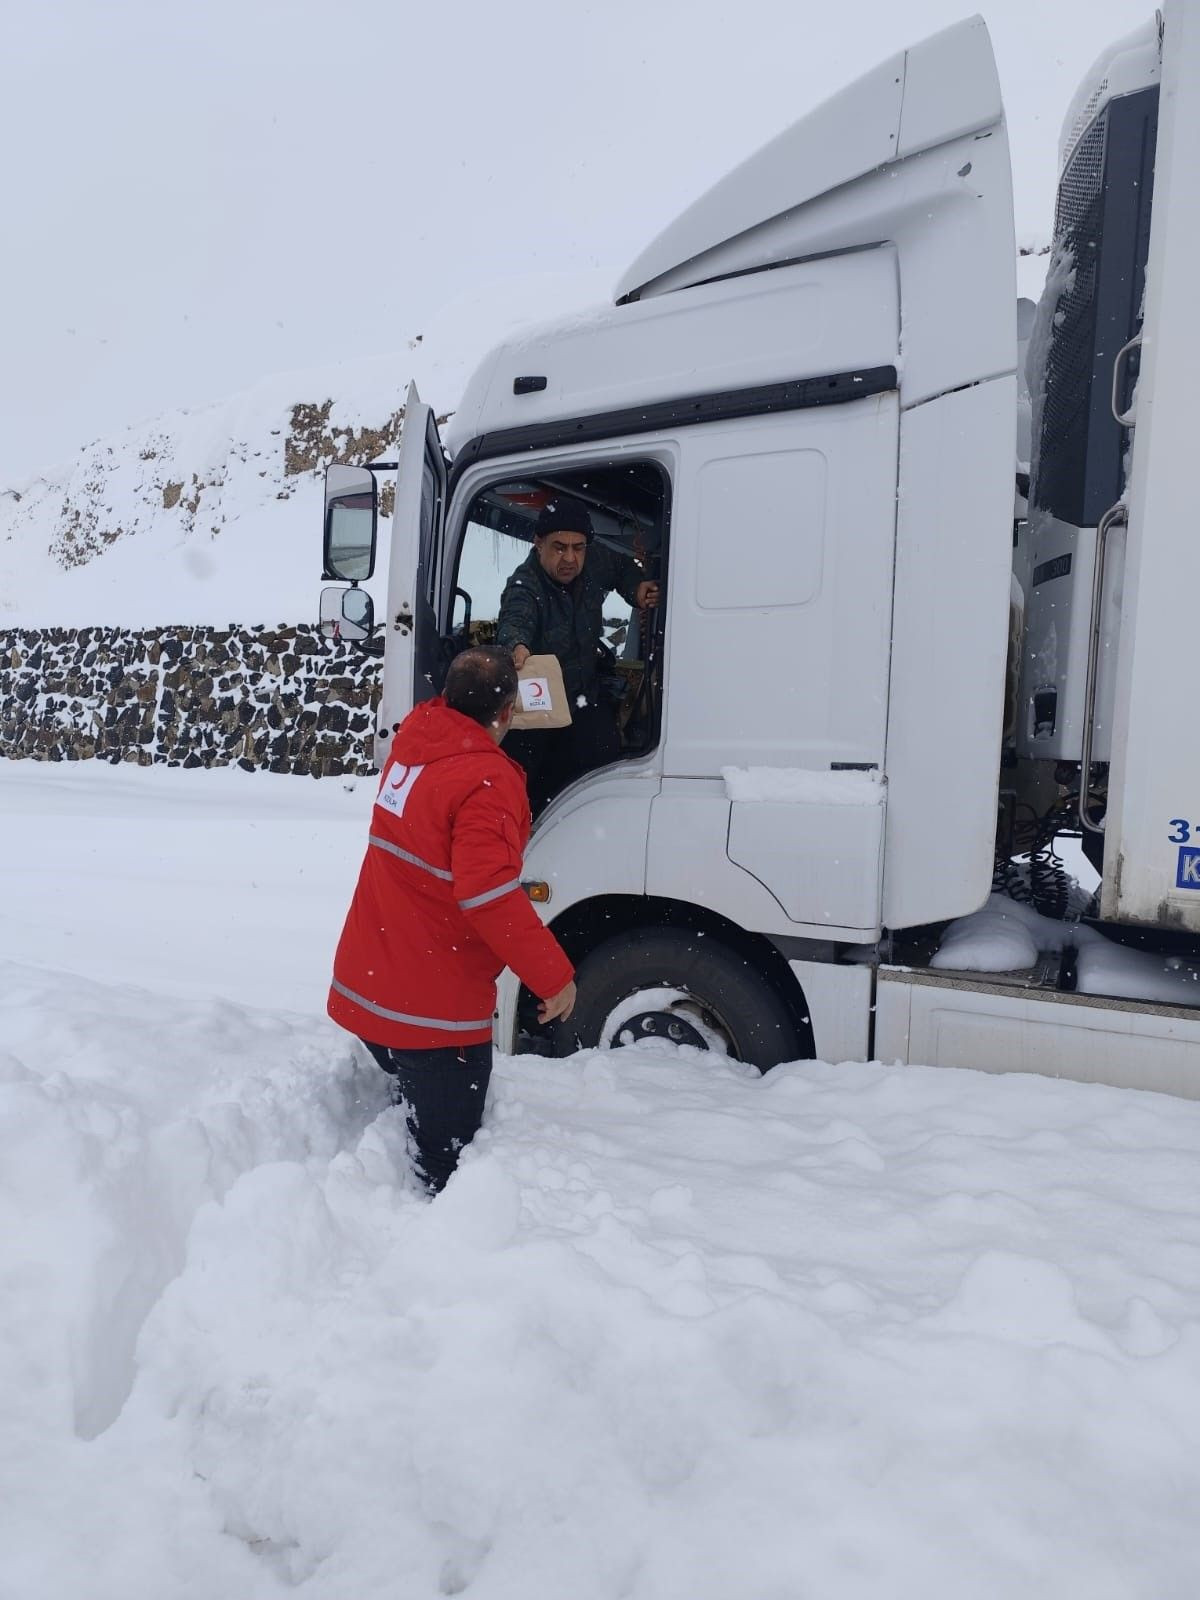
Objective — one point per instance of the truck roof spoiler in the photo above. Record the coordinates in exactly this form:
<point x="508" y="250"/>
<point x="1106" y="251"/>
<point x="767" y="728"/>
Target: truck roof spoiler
<point x="941" y="89"/>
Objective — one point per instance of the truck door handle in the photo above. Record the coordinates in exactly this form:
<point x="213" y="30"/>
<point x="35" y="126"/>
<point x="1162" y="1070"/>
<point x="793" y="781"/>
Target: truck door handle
<point x="1125" y="418"/>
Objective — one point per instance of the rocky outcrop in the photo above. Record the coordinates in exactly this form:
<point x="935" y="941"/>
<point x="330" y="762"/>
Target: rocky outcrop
<point x="314" y="440"/>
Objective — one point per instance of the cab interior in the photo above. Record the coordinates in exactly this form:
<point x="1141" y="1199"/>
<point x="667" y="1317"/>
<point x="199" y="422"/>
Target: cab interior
<point x="628" y="502"/>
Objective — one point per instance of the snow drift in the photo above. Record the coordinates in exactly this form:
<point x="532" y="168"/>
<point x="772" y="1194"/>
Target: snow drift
<point x="673" y="1329"/>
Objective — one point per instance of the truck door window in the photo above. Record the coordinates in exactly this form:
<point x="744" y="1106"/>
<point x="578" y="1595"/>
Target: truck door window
<point x="486" y="560"/>
<point x="618" y="668"/>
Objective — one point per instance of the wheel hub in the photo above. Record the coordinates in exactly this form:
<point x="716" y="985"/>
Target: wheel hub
<point x="672" y="1015"/>
<point x="669" y="1025"/>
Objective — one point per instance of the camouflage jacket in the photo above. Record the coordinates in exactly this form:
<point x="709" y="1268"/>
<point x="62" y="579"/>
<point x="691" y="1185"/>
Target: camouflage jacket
<point x="565" y="620"/>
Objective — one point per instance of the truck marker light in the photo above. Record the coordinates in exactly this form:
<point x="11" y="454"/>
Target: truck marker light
<point x="539" y="892"/>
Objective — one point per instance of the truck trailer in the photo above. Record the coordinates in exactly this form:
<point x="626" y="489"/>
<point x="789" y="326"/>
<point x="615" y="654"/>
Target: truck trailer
<point x="897" y="655"/>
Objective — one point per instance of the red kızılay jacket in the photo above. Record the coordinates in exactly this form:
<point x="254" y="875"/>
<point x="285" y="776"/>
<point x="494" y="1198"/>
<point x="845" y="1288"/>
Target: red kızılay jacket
<point x="439" y="911"/>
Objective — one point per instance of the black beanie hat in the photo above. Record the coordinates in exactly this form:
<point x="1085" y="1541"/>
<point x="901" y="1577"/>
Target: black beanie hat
<point x="564" y="515"/>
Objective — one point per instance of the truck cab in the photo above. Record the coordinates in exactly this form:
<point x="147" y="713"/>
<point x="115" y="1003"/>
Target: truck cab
<point x="799" y="414"/>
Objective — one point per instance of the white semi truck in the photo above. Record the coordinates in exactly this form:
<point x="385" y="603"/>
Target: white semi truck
<point x="882" y="678"/>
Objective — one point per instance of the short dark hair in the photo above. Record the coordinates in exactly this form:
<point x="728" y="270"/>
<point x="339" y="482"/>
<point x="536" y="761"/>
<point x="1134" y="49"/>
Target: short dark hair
<point x="481" y="683"/>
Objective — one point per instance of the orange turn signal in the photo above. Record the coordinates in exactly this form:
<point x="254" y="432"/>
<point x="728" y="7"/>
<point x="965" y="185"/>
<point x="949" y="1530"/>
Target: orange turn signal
<point x="538" y="892"/>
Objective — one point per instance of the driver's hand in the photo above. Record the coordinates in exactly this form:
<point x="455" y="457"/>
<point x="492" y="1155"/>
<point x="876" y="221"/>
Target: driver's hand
<point x="559" y="1005"/>
<point x="647" y="593"/>
<point x="520" y="656"/>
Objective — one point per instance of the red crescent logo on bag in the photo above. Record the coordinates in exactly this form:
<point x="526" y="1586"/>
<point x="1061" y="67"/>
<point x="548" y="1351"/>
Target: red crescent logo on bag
<point x="537" y="690"/>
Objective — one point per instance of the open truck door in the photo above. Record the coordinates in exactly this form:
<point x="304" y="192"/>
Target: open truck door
<point x="410" y="651"/>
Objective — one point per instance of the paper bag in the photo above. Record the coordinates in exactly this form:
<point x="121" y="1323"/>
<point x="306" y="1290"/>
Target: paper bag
<point x="541" y="697"/>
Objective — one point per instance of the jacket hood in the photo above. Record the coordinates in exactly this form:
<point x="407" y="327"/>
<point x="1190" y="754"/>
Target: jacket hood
<point x="432" y="731"/>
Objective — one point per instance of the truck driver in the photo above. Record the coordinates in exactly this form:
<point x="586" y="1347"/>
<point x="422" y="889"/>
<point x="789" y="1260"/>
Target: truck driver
<point x="553" y="604"/>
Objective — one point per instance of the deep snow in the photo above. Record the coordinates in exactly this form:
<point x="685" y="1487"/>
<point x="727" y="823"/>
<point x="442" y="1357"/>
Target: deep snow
<point x="673" y="1329"/>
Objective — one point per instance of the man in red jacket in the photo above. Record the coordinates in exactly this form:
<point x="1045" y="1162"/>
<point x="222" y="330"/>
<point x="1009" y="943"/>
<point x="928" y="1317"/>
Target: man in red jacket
<point x="439" y="911"/>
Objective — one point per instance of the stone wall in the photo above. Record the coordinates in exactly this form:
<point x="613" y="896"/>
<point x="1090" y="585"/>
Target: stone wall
<point x="283" y="699"/>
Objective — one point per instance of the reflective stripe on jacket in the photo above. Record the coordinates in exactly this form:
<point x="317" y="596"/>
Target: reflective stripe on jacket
<point x="438" y="910"/>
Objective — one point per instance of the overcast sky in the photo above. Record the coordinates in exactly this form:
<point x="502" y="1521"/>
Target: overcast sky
<point x="196" y="192"/>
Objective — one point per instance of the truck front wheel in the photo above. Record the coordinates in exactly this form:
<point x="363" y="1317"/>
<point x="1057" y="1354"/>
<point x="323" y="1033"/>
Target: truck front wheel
<point x="683" y="988"/>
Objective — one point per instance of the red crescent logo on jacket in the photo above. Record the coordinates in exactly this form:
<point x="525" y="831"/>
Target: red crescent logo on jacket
<point x="394" y="793"/>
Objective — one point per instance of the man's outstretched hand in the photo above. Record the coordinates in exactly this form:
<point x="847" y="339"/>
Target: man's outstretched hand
<point x="559" y="1006"/>
<point x="647" y="593"/>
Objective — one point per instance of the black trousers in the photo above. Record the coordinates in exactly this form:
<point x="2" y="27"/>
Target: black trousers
<point x="443" y="1092"/>
<point x="555" y="757"/>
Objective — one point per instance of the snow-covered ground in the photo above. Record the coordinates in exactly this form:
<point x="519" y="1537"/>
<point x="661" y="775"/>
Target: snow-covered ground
<point x="674" y="1330"/>
<point x="222" y="884"/>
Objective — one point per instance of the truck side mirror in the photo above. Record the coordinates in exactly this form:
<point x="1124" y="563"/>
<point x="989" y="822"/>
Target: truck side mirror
<point x="351" y="513"/>
<point x="347" y="614"/>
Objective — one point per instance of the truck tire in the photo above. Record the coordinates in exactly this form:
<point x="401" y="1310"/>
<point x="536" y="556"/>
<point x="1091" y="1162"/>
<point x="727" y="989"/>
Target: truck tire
<point x="685" y="988"/>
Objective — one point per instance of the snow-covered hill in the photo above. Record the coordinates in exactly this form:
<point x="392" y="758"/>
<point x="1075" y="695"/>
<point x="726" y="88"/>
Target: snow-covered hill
<point x="199" y="195"/>
<point x="214" y="516"/>
<point x="204" y="517"/>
